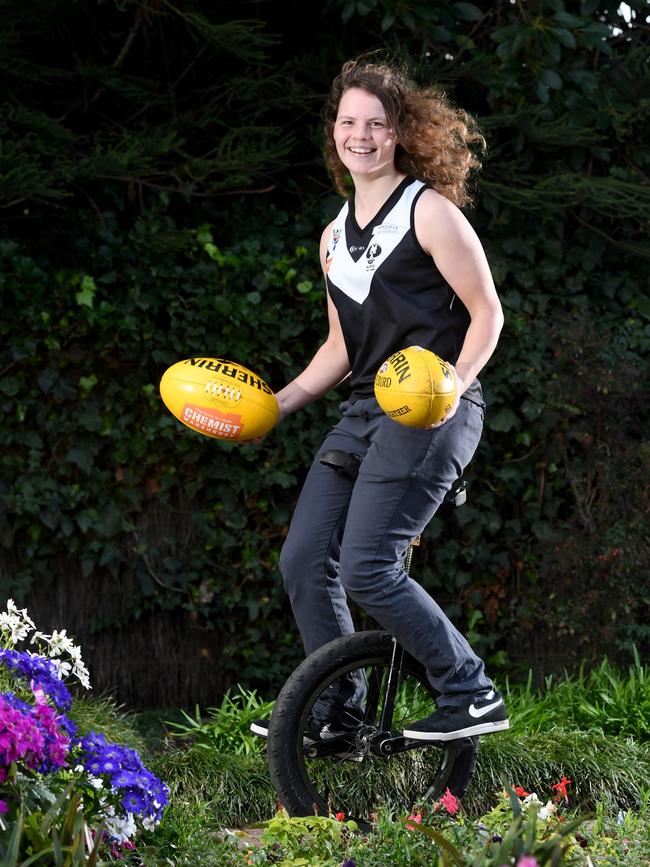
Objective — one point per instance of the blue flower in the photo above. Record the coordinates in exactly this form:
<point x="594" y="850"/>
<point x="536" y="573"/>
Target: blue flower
<point x="94" y="766"/>
<point x="134" y="802"/>
<point x="144" y="792"/>
<point x="91" y="742"/>
<point x="125" y="779"/>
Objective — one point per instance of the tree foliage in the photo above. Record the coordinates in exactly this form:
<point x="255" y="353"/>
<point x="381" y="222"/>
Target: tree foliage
<point x="123" y="128"/>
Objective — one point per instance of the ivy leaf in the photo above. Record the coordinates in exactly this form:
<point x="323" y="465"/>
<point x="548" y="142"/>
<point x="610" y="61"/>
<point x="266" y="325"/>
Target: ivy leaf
<point x="85" y="297"/>
<point x="83" y="457"/>
<point x="9" y="385"/>
<point x="642" y="304"/>
<point x="503" y="420"/>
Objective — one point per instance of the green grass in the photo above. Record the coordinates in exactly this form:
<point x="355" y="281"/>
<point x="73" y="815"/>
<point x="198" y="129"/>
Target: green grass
<point x="612" y="769"/>
<point x="102" y="714"/>
<point x="239" y="791"/>
<point x="606" y="700"/>
<point x="592" y="728"/>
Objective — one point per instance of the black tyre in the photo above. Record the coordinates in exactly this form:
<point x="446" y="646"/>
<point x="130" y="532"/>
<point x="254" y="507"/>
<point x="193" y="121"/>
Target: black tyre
<point x="372" y="764"/>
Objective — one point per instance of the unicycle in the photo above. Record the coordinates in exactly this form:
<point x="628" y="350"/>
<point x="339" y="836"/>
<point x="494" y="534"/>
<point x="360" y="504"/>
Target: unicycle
<point x="366" y="762"/>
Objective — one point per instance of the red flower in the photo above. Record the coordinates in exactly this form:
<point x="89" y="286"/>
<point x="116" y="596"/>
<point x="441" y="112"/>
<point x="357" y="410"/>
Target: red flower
<point x="340" y="817"/>
<point x="519" y="790"/>
<point x="450" y="802"/>
<point x="414" y="817"/>
<point x="561" y="789"/>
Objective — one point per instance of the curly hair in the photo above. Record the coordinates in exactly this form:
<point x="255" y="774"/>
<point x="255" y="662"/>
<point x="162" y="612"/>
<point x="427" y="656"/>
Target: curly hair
<point x="435" y="139"/>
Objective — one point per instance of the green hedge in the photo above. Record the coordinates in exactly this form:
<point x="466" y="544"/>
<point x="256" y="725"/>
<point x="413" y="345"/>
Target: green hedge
<point x="157" y="546"/>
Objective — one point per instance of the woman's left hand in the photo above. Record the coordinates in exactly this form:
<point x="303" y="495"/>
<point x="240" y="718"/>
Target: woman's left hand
<point x="460" y="388"/>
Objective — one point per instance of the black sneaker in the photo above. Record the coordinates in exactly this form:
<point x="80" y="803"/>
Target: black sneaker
<point x="316" y="731"/>
<point x="485" y="715"/>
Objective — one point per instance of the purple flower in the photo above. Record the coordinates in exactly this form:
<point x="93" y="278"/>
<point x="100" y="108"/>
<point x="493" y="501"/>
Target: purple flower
<point x="31" y="735"/>
<point x="40" y="671"/>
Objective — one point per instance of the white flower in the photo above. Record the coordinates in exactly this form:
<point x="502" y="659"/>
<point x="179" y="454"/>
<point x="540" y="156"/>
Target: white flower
<point x="64" y="668"/>
<point x="120" y="828"/>
<point x="548" y="810"/>
<point x="149" y="823"/>
<point x="533" y="798"/>
<point x="60" y="643"/>
<point x="96" y="782"/>
<point x="22" y="612"/>
<point x="15" y="623"/>
<point x="81" y="672"/>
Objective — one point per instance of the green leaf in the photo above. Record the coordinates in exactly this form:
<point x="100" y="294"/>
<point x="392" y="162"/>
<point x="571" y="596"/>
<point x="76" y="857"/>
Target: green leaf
<point x="204" y="235"/>
<point x="551" y="79"/>
<point x="468" y="11"/>
<point x="85" y="297"/>
<point x="305" y="286"/>
<point x="565" y="19"/>
<point x="642" y="304"/>
<point x="502" y="420"/>
<point x="83" y="457"/>
<point x="565" y="37"/>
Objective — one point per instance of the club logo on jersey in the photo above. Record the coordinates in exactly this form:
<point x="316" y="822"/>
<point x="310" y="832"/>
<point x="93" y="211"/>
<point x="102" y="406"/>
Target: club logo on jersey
<point x="373" y="252"/>
<point x="336" y="234"/>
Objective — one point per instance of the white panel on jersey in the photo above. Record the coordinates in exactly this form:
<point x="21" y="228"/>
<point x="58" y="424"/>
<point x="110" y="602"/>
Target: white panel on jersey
<point x="351" y="270"/>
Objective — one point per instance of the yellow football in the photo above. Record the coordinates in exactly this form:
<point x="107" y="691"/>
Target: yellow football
<point x="219" y="398"/>
<point x="415" y="387"/>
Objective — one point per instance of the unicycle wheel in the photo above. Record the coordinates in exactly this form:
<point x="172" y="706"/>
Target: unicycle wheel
<point x="366" y="762"/>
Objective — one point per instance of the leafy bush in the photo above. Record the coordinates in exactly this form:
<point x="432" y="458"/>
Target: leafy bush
<point x="119" y="255"/>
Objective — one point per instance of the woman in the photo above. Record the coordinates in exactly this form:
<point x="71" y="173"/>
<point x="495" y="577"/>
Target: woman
<point x="402" y="267"/>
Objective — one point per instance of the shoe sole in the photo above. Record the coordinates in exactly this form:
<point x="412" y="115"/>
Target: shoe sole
<point x="306" y="742"/>
<point x="258" y="730"/>
<point x="470" y="731"/>
<point x="264" y="733"/>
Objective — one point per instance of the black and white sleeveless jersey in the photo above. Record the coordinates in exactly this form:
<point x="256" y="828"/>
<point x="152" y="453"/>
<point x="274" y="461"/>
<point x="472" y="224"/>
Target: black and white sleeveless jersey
<point x="388" y="292"/>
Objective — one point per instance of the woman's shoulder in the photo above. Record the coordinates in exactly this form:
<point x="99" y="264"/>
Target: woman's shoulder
<point x="432" y="203"/>
<point x="438" y="221"/>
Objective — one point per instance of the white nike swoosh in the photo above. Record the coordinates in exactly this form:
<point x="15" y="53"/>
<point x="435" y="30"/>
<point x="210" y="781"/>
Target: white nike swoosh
<point x="477" y="712"/>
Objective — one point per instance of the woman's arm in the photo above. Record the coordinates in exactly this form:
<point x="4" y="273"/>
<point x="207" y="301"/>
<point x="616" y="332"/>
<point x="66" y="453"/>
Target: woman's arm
<point x="329" y="365"/>
<point x="445" y="233"/>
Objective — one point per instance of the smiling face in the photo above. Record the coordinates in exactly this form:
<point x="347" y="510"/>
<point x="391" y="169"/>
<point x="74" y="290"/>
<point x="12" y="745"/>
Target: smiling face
<point x="363" y="136"/>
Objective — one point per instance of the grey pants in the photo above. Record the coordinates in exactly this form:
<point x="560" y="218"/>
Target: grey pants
<point x="350" y="539"/>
